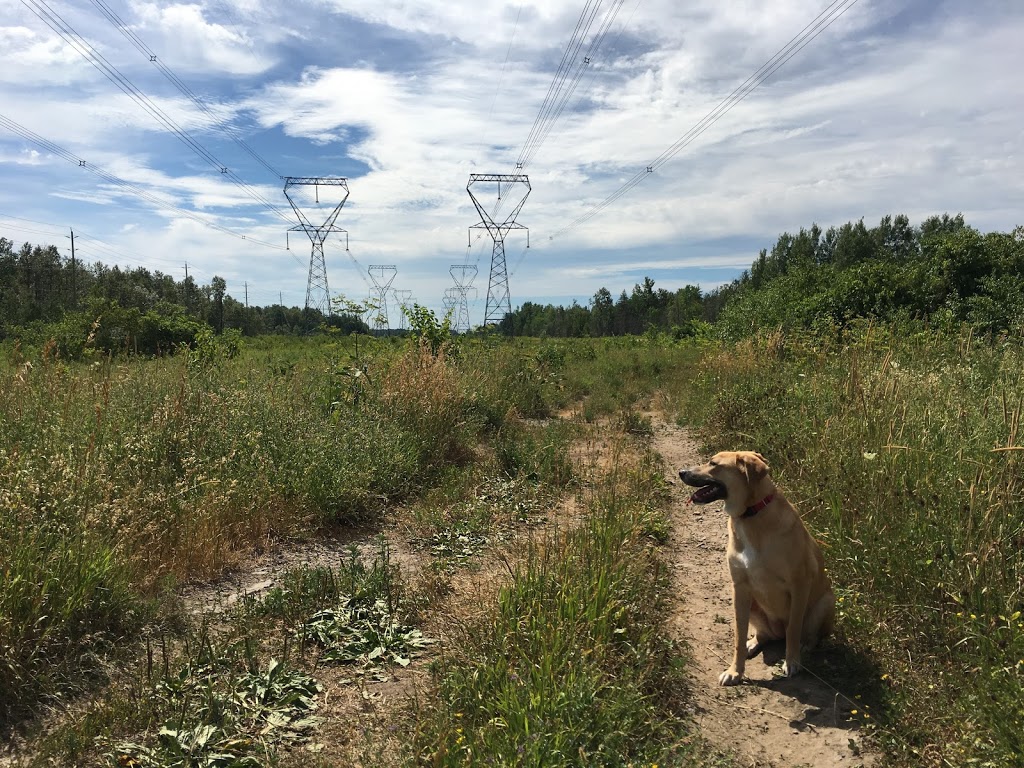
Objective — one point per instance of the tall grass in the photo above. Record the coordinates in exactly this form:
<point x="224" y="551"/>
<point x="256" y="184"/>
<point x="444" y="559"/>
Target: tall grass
<point x="572" y="667"/>
<point x="121" y="477"/>
<point x="903" y="449"/>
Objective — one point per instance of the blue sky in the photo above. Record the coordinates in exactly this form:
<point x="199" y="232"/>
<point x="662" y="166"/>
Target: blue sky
<point x="912" y="107"/>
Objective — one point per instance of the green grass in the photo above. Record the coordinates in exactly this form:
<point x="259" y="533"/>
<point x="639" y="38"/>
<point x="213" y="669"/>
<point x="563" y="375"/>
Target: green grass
<point x="119" y="478"/>
<point x="242" y="689"/>
<point x="891" y="443"/>
<point x="572" y="667"/>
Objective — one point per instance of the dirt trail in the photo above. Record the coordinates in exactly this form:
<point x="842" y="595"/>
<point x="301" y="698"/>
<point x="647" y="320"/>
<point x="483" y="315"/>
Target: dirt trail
<point x="765" y="723"/>
<point x="768" y="721"/>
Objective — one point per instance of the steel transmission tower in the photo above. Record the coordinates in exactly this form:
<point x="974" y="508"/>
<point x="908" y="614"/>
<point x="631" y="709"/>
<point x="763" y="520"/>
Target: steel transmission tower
<point x="402" y="297"/>
<point x="499" y="302"/>
<point x="382" y="276"/>
<point x="463" y="275"/>
<point x="450" y="300"/>
<point x="317" y="294"/>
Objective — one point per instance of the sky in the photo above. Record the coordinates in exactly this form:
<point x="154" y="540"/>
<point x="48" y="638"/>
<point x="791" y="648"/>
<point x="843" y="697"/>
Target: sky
<point x="899" y="106"/>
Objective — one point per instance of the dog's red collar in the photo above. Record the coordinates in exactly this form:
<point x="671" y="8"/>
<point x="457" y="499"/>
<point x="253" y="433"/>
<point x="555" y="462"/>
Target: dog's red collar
<point x="751" y="511"/>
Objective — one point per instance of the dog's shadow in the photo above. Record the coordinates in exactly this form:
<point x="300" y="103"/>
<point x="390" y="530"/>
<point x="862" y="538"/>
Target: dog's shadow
<point x="840" y="686"/>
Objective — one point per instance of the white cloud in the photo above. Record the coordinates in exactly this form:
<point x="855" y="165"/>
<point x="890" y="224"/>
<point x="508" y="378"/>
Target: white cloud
<point x="188" y="40"/>
<point x="899" y="107"/>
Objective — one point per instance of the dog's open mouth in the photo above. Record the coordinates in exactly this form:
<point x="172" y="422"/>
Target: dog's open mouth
<point x="713" y="491"/>
<point x="708" y="489"/>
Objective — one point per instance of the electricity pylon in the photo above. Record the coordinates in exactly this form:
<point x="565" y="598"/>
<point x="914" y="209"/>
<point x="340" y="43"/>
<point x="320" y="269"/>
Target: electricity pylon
<point x="463" y="275"/>
<point x="382" y="276"/>
<point x="317" y="294"/>
<point x="402" y="297"/>
<point x="499" y="303"/>
<point x="449" y="302"/>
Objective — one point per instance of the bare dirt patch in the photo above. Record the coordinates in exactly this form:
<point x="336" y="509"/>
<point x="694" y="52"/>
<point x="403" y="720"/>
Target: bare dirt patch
<point x="768" y="721"/>
<point x="263" y="572"/>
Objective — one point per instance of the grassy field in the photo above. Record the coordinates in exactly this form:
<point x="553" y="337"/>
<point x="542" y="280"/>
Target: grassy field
<point x="125" y="478"/>
<point x="903" y="450"/>
<point x="122" y="479"/>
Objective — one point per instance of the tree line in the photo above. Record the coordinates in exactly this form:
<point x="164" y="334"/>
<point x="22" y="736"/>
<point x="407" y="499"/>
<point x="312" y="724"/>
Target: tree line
<point x="43" y="294"/>
<point x="942" y="271"/>
<point x="680" y="312"/>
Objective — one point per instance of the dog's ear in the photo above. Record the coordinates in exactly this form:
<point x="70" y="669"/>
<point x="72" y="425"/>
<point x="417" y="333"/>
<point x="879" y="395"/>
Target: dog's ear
<point x="754" y="466"/>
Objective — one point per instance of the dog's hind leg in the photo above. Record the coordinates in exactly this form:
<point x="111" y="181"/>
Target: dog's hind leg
<point x="820" y="620"/>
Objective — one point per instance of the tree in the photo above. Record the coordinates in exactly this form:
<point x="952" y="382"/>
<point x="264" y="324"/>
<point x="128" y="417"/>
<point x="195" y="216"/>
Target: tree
<point x="602" y="310"/>
<point x="218" y="287"/>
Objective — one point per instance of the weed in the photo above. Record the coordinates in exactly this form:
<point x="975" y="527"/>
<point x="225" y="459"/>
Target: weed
<point x="225" y="720"/>
<point x="634" y="423"/>
<point x="537" y="453"/>
<point x="364" y="633"/>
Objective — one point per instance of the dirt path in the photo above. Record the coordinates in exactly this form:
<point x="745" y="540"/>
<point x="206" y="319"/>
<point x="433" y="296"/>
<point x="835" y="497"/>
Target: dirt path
<point x="768" y="721"/>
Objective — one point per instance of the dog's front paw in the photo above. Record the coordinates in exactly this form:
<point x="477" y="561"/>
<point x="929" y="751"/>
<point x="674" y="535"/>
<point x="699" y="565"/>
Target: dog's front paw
<point x="730" y="677"/>
<point x="790" y="668"/>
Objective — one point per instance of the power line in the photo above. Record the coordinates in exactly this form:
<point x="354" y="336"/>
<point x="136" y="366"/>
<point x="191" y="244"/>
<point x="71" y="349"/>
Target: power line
<point x="563" y="95"/>
<point x="508" y="52"/>
<point x="561" y="73"/>
<point x="146" y="51"/>
<point x="818" y="25"/>
<point x="593" y="76"/>
<point x="559" y="95"/>
<point x="49" y="146"/>
<point x="55" y="22"/>
<point x="23" y="228"/>
<point x="232" y="18"/>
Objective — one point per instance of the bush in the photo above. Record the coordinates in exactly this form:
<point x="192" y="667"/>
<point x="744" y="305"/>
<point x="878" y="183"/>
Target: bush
<point x="108" y="327"/>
